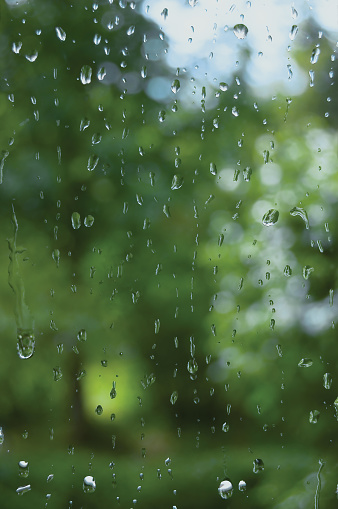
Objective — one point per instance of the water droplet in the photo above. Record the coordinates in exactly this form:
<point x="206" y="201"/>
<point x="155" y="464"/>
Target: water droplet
<point x="144" y="71"/>
<point x="175" y="86"/>
<point x="82" y="335"/>
<point x="297" y="211"/>
<point x="92" y="162"/>
<point x="287" y="271"/>
<point x="2" y="436"/>
<point x="84" y="124"/>
<point x="161" y="116"/>
<point x="16" y="47"/>
<point x="270" y="217"/>
<point x="225" y="489"/>
<point x="327" y="380"/>
<point x="213" y="169"/>
<point x="25" y="343"/>
<point x="223" y="86"/>
<point x="23" y="489"/>
<point x="76" y="220"/>
<point x="157" y="325"/>
<point x="56" y="256"/>
<point x="305" y="363"/>
<point x="192" y="366"/>
<point x="113" y="392"/>
<point x="240" y="31"/>
<point x="61" y="34"/>
<point x="314" y="416"/>
<point x="225" y="427"/>
<point x="307" y="271"/>
<point x="242" y="485"/>
<point x="173" y="397"/>
<point x="131" y="30"/>
<point x="247" y="172"/>
<point x="177" y="182"/>
<point x="31" y="57"/>
<point x="99" y="410"/>
<point x="86" y="74"/>
<point x="235" y="111"/>
<point x="315" y="55"/>
<point x="258" y="466"/>
<point x="23" y="468"/>
<point x="57" y="373"/>
<point x="293" y="32"/>
<point x="89" y="484"/>
<point x="88" y="221"/>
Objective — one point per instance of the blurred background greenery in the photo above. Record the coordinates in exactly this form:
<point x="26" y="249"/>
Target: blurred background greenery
<point x="178" y="338"/>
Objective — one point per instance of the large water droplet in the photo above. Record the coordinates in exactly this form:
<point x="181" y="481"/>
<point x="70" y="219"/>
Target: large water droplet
<point x="225" y="489"/>
<point x="223" y="86"/>
<point x="270" y="217"/>
<point x="177" y="182"/>
<point x="88" y="221"/>
<point x="89" y="484"/>
<point x="240" y="31"/>
<point x="25" y="343"/>
<point x="60" y="33"/>
<point x="258" y="466"/>
<point x="76" y="220"/>
<point x="175" y="86"/>
<point x="86" y="74"/>
<point x="298" y="211"/>
<point x="23" y="468"/>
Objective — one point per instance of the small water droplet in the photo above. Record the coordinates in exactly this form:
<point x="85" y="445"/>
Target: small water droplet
<point x="89" y="484"/>
<point x="305" y="363"/>
<point x="173" y="397"/>
<point x="293" y="32"/>
<point x="314" y="416"/>
<point x="225" y="427"/>
<point x="157" y="325"/>
<point x="16" y="47"/>
<point x="88" y="221"/>
<point x="131" y="30"/>
<point x="240" y="31"/>
<point x="175" y="86"/>
<point x="298" y="211"/>
<point x="23" y="468"/>
<point x="192" y="366"/>
<point x="270" y="217"/>
<point x="76" y="220"/>
<point x="258" y="466"/>
<point x="99" y="410"/>
<point x="161" y="116"/>
<point x="315" y="55"/>
<point x="225" y="489"/>
<point x="2" y="436"/>
<point x="25" y="343"/>
<point x="92" y="162"/>
<point x="113" y="392"/>
<point x="57" y="373"/>
<point x="56" y="256"/>
<point x="213" y="169"/>
<point x="287" y="271"/>
<point x="242" y="485"/>
<point x="223" y="86"/>
<point x="31" y="57"/>
<point x="61" y="34"/>
<point x="86" y="74"/>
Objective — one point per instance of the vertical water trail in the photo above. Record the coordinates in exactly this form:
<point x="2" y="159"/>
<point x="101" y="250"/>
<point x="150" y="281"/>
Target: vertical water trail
<point x="23" y="316"/>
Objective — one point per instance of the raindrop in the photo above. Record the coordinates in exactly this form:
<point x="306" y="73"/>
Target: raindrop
<point x="16" y="47"/>
<point x="88" y="221"/>
<point x="131" y="30"/>
<point x="223" y="86"/>
<point x="314" y="416"/>
<point x="177" y="182"/>
<point x="113" y="391"/>
<point x="57" y="373"/>
<point x="161" y="116"/>
<point x="192" y="366"/>
<point x="225" y="427"/>
<point x="307" y="271"/>
<point x="225" y="489"/>
<point x="99" y="410"/>
<point x="297" y="211"/>
<point x="315" y="55"/>
<point x="327" y="380"/>
<point x="235" y="111"/>
<point x="101" y="73"/>
<point x="84" y="124"/>
<point x="293" y="32"/>
<point x="61" y="34"/>
<point x="23" y="489"/>
<point x="247" y="172"/>
<point x="305" y="363"/>
<point x="173" y="397"/>
<point x="31" y="57"/>
<point x="213" y="169"/>
<point x="144" y="71"/>
<point x="258" y="466"/>
<point x="82" y="335"/>
<point x="287" y="271"/>
<point x="2" y="436"/>
<point x="270" y="217"/>
<point x="23" y="468"/>
<point x="86" y="74"/>
<point x="89" y="484"/>
<point x="92" y="162"/>
<point x="167" y="462"/>
<point x="76" y="220"/>
<point x="157" y="326"/>
<point x="56" y="256"/>
<point x="240" y="31"/>
<point x="242" y="485"/>
<point x="175" y="86"/>
<point x="25" y="343"/>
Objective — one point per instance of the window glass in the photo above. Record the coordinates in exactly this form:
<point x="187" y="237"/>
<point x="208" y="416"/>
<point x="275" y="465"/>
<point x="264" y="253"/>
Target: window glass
<point x="168" y="198"/>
